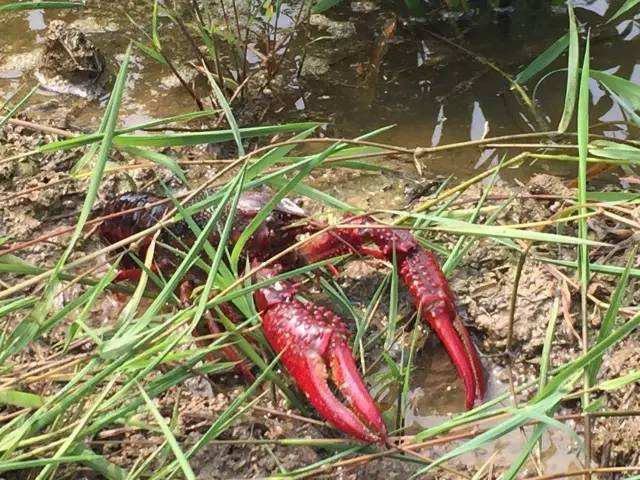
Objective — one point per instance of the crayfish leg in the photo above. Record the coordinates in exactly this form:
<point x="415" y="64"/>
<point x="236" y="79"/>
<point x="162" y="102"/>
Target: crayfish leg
<point x="229" y="352"/>
<point x="128" y="274"/>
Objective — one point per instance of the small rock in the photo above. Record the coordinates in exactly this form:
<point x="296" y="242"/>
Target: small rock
<point x="315" y="67"/>
<point x="341" y="30"/>
<point x="70" y="63"/>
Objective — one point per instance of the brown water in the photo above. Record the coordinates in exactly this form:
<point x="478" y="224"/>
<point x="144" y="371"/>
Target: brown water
<point x="434" y="94"/>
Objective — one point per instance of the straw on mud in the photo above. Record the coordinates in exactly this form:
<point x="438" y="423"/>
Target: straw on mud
<point x="42" y="128"/>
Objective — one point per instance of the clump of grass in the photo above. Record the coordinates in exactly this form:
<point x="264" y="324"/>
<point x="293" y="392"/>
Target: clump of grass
<point x="222" y="36"/>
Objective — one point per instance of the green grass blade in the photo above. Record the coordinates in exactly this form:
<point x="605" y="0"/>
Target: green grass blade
<point x="407" y="370"/>
<point x="100" y="465"/>
<point x="160" y="159"/>
<point x="545" y="358"/>
<point x="519" y="461"/>
<point x="226" y="108"/>
<point x="393" y="304"/>
<point x="615" y="150"/>
<point x="315" y="195"/>
<point x="572" y="71"/>
<point x="323" y="5"/>
<point x="276" y="155"/>
<point x="626" y="6"/>
<point x="8" y="7"/>
<point x="168" y="435"/>
<point x="213" y="136"/>
<point x="16" y="304"/>
<point x="583" y="232"/>
<point x="26" y="464"/>
<point x="20" y="399"/>
<point x="593" y="267"/>
<point x="174" y="139"/>
<point x="155" y="37"/>
<point x="497" y="231"/>
<point x="543" y="60"/>
<point x="459" y="250"/>
<point x="608" y="321"/>
<point x="625" y="92"/>
<point x="18" y="105"/>
<point x="619" y="382"/>
<point x="152" y="53"/>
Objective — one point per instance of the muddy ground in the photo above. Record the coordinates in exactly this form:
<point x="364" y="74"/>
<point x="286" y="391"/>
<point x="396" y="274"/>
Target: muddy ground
<point x="483" y="284"/>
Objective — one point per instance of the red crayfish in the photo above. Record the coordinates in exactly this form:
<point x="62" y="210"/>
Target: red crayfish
<point x="312" y="340"/>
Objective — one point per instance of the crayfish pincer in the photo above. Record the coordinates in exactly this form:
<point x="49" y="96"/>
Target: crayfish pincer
<point x="312" y="341"/>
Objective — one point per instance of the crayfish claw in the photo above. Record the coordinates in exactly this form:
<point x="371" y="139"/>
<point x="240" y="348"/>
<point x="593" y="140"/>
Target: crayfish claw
<point x="348" y="380"/>
<point x="431" y="295"/>
<point x="472" y="355"/>
<point x="312" y="342"/>
<point x="363" y="425"/>
<point x="425" y="281"/>
<point x="468" y="370"/>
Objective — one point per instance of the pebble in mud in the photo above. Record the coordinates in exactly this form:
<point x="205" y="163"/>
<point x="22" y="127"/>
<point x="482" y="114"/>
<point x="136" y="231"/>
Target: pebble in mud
<point x="315" y="67"/>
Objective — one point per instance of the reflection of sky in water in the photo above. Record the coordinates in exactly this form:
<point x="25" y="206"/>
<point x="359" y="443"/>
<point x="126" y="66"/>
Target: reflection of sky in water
<point x="635" y="75"/>
<point x="36" y="20"/>
<point x="252" y="57"/>
<point x="437" y="131"/>
<point x="286" y="18"/>
<point x="484" y="156"/>
<point x="615" y="114"/>
<point x="10" y="73"/>
<point x="596" y="91"/>
<point x="599" y="7"/>
<point x="423" y="53"/>
<point x="479" y="124"/>
<point x="629" y="28"/>
<point x="283" y="21"/>
<point x="300" y="104"/>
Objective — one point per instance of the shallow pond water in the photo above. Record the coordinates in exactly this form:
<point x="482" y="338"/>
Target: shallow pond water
<point x="433" y="92"/>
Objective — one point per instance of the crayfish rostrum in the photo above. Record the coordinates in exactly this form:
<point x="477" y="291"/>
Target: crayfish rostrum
<point x="312" y="340"/>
